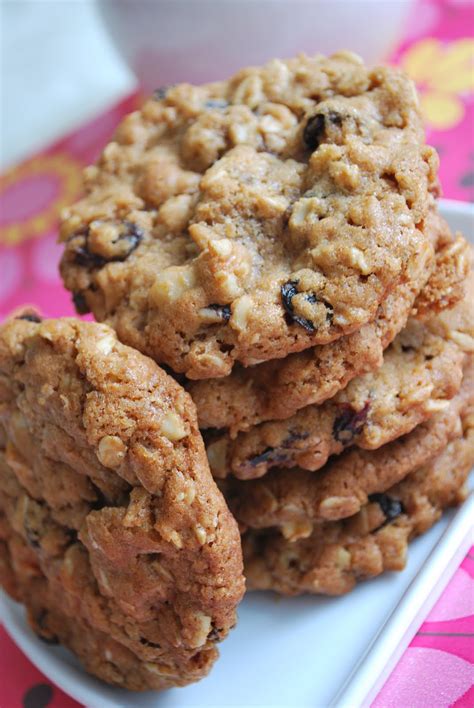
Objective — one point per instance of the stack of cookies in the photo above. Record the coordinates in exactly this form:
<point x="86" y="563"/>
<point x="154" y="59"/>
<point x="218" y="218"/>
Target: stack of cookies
<point x="273" y="243"/>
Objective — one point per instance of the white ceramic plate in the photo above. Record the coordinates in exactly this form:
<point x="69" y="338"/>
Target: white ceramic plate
<point x="289" y="652"/>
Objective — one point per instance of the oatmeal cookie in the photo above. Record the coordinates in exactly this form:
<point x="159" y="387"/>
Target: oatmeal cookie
<point x="294" y="500"/>
<point x="107" y="492"/>
<point x="277" y="389"/>
<point x="339" y="554"/>
<point x="243" y="220"/>
<point x="421" y="372"/>
<point x="99" y="653"/>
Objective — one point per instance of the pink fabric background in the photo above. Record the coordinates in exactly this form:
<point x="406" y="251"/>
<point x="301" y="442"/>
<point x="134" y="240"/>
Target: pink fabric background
<point x="438" y="52"/>
<point x="437" y="669"/>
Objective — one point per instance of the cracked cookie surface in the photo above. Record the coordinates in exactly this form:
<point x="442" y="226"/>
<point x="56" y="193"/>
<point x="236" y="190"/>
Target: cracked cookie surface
<point x="243" y="220"/>
<point x="108" y="502"/>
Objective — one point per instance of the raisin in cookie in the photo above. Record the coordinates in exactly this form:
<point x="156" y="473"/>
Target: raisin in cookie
<point x="243" y="220"/>
<point x="339" y="554"/>
<point x="275" y="390"/>
<point x="421" y="371"/>
<point x="294" y="500"/>
<point x="106" y="485"/>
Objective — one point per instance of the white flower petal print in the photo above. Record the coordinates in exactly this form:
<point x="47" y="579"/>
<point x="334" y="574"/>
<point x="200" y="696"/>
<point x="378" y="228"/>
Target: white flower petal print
<point x="456" y="601"/>
<point x="425" y="677"/>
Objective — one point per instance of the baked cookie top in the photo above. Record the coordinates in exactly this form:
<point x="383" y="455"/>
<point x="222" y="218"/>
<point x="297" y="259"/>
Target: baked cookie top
<point x="275" y="390"/>
<point x="104" y="475"/>
<point x="339" y="554"/>
<point x="247" y="219"/>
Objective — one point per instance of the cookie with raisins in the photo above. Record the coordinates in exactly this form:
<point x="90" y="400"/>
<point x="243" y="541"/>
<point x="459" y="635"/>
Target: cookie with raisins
<point x="295" y="500"/>
<point x="331" y="558"/>
<point x="244" y="220"/>
<point x="275" y="390"/>
<point x="421" y="371"/>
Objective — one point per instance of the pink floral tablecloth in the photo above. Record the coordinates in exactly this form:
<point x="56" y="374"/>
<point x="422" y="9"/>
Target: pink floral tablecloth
<point x="438" y="52"/>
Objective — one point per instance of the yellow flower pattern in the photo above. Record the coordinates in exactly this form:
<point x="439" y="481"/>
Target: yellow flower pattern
<point x="442" y="72"/>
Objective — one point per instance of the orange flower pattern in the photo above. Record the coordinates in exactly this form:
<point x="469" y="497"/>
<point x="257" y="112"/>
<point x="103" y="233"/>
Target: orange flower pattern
<point x="33" y="195"/>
